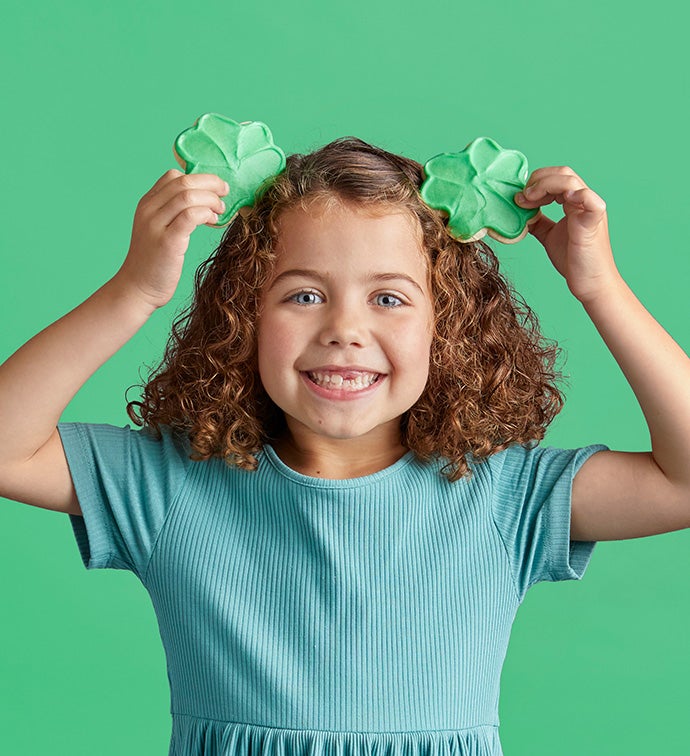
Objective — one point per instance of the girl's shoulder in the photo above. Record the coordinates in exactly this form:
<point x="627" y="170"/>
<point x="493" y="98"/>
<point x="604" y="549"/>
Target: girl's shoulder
<point x="532" y="467"/>
<point x="113" y="439"/>
<point x="105" y="452"/>
<point x="126" y="481"/>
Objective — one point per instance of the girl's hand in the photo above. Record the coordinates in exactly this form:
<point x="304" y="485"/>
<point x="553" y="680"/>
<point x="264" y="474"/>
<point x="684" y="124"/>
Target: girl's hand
<point x="163" y="222"/>
<point x="578" y="245"/>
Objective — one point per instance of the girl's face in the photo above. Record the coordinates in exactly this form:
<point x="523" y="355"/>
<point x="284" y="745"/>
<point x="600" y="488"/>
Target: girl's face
<point x="349" y="301"/>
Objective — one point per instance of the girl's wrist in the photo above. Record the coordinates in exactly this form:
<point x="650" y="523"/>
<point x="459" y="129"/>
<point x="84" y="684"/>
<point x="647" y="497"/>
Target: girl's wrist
<point x="602" y="288"/>
<point x="121" y="288"/>
<point x="610" y="290"/>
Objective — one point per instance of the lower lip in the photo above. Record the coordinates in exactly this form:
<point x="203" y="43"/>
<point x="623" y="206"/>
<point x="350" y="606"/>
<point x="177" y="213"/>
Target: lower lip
<point x="332" y="393"/>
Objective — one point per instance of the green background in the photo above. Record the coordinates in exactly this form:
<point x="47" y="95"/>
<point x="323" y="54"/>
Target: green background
<point x="93" y="97"/>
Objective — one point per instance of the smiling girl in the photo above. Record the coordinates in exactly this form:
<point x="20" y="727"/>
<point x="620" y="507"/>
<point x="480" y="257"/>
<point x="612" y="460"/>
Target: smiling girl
<point x="337" y="501"/>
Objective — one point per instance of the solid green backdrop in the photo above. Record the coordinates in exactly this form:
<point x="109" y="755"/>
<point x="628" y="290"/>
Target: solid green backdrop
<point x="93" y="97"/>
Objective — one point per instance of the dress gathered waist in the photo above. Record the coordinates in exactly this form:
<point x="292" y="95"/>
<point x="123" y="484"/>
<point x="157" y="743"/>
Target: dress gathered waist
<point x="212" y="737"/>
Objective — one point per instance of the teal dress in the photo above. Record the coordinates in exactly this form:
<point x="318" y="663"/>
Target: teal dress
<point x="304" y="615"/>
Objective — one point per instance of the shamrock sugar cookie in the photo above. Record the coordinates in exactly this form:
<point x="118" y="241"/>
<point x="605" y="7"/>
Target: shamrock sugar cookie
<point x="475" y="187"/>
<point x="243" y="154"/>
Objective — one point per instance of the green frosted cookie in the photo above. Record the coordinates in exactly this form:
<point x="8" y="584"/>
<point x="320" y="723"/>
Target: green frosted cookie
<point x="475" y="187"/>
<point x="243" y="154"/>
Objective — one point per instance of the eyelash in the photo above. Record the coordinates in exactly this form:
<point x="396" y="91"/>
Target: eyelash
<point x="305" y="291"/>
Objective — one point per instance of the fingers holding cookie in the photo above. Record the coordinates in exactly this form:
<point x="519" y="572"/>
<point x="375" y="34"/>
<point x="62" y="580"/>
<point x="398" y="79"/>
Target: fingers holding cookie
<point x="547" y="185"/>
<point x="562" y="185"/>
<point x="176" y="191"/>
<point x="199" y="191"/>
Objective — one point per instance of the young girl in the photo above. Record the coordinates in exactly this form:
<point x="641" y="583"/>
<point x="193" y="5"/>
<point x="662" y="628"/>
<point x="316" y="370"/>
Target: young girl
<point x="337" y="501"/>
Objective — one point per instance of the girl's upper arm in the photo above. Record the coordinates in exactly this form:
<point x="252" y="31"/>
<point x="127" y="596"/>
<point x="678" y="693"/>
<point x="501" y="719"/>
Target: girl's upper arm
<point x="43" y="481"/>
<point x="618" y="495"/>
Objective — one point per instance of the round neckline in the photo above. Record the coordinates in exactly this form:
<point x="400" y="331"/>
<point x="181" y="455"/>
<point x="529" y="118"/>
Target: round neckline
<point x="307" y="480"/>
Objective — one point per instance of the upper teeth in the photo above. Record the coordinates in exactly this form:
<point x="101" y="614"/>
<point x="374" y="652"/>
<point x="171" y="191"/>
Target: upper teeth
<point x="335" y="379"/>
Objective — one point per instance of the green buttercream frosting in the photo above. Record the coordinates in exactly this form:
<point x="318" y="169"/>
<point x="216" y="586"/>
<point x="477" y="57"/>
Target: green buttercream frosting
<point x="476" y="188"/>
<point x="243" y="154"/>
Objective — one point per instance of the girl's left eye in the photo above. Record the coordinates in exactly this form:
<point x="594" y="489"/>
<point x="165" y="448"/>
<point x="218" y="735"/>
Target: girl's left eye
<point x="388" y="300"/>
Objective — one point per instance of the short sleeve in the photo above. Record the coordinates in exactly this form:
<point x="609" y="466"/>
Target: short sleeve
<point x="531" y="506"/>
<point x="126" y="481"/>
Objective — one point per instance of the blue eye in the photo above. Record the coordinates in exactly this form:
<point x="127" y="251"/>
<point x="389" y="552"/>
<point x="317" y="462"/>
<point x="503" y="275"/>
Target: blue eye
<point x="389" y="297"/>
<point x="293" y="298"/>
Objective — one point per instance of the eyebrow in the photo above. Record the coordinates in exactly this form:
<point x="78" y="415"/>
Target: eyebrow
<point x="308" y="273"/>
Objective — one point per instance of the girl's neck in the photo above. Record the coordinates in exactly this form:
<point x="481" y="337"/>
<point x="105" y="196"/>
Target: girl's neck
<point x="338" y="458"/>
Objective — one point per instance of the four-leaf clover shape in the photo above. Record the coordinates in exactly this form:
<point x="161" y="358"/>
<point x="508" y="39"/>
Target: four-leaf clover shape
<point x="475" y="187"/>
<point x="242" y="154"/>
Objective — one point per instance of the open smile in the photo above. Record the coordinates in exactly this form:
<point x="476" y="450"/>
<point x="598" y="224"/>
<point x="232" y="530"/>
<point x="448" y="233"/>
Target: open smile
<point x="338" y="388"/>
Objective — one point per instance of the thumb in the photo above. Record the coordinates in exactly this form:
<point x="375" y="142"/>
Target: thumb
<point x="540" y="226"/>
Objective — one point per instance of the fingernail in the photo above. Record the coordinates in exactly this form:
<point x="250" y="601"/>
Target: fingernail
<point x="520" y="198"/>
<point x="227" y="187"/>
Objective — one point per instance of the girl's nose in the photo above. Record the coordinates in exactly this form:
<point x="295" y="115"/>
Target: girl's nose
<point x="345" y="325"/>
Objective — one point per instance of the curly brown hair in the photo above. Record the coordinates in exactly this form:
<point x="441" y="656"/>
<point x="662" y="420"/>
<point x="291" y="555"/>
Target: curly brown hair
<point x="491" y="374"/>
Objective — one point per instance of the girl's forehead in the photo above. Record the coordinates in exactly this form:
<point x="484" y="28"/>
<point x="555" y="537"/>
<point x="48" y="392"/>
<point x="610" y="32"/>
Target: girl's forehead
<point x="325" y="217"/>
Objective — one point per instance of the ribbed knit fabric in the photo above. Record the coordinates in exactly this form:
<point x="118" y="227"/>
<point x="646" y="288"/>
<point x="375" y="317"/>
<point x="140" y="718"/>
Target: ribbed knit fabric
<point x="304" y="615"/>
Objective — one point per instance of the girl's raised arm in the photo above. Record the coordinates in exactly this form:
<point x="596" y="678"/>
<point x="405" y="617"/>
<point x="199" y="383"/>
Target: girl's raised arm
<point x="40" y="379"/>
<point x="619" y="495"/>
